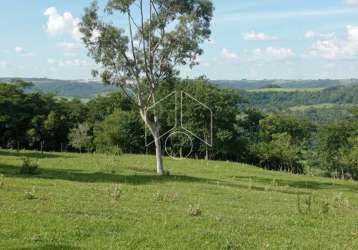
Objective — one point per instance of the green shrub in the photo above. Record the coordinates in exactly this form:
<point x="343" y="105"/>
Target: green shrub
<point x="320" y="205"/>
<point x="231" y="246"/>
<point x="325" y="205"/>
<point x="29" y="166"/>
<point x="169" y="197"/>
<point x="30" y="195"/>
<point x="122" y="129"/>
<point x="340" y="201"/>
<point x="194" y="210"/>
<point x="112" y="150"/>
<point x="115" y="192"/>
<point x="304" y="204"/>
<point x="279" y="153"/>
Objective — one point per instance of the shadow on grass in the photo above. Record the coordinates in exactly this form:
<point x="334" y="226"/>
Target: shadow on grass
<point x="146" y="176"/>
<point x="47" y="247"/>
<point x="31" y="154"/>
<point x="309" y="185"/>
<point x="80" y="176"/>
<point x="132" y="179"/>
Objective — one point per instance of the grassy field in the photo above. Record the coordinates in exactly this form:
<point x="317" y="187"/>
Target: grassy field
<point x="106" y="202"/>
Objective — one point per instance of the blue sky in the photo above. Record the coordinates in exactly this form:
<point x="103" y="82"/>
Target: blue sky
<point x="252" y="39"/>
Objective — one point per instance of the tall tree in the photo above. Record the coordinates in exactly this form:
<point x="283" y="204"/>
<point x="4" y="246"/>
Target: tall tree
<point x="159" y="36"/>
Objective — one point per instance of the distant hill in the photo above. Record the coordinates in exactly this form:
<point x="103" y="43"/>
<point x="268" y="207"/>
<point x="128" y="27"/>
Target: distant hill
<point x="273" y="100"/>
<point x="71" y="88"/>
<point x="89" y="89"/>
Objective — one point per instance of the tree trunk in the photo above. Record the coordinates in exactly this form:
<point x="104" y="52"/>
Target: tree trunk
<point x="154" y="130"/>
<point x="158" y="154"/>
<point x="42" y="148"/>
<point x="206" y="148"/>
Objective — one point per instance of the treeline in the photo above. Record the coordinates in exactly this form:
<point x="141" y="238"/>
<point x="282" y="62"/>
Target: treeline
<point x="279" y="100"/>
<point x="111" y="124"/>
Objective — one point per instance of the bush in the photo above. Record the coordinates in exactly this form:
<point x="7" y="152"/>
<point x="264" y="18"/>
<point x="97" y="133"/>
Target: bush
<point x="29" y="166"/>
<point x="31" y="195"/>
<point x="106" y="149"/>
<point x="280" y="153"/>
<point x="115" y="192"/>
<point x="121" y="129"/>
<point x="194" y="210"/>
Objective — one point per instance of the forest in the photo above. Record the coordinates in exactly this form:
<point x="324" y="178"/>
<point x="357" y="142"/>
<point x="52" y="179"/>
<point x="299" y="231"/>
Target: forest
<point x="243" y="130"/>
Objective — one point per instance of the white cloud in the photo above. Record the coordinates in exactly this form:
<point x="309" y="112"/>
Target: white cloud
<point x="337" y="48"/>
<point x="3" y="64"/>
<point x="260" y="54"/>
<point x="329" y="49"/>
<point x="202" y="62"/>
<point x="65" y="23"/>
<point x="229" y="55"/>
<point x="352" y="2"/>
<point x="271" y="53"/>
<point x="72" y="62"/>
<point x="316" y="35"/>
<point x="21" y="51"/>
<point x="96" y="34"/>
<point x="69" y="45"/>
<point x="255" y="36"/>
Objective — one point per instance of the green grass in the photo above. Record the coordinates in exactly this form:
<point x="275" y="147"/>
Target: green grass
<point x="105" y="202"/>
<point x="286" y="90"/>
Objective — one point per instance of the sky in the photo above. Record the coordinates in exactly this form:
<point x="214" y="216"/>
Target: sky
<point x="251" y="39"/>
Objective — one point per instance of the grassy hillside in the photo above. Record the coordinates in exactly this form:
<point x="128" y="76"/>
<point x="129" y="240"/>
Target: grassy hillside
<point x="105" y="202"/>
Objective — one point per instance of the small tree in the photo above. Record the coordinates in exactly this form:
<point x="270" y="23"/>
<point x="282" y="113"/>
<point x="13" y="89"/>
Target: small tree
<point x="160" y="35"/>
<point x="79" y="138"/>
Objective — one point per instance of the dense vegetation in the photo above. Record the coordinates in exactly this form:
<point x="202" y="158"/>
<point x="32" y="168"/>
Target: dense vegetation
<point x="279" y="99"/>
<point x="240" y="133"/>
